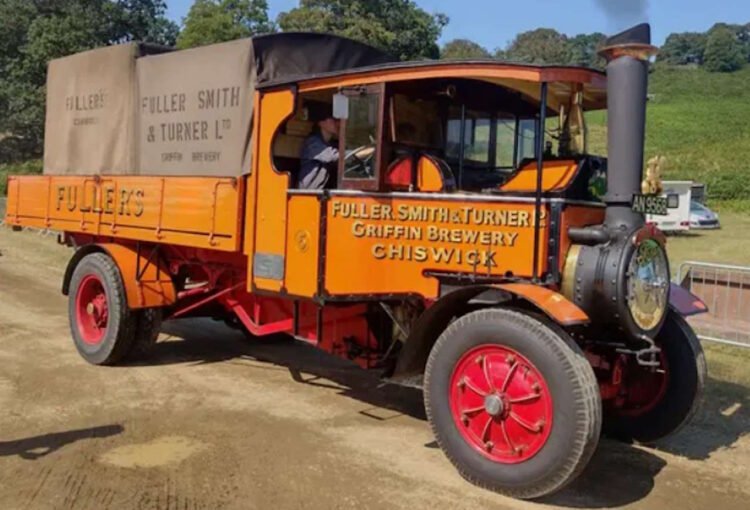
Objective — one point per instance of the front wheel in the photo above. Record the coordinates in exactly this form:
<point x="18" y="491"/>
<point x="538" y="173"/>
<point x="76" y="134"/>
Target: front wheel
<point x="657" y="402"/>
<point x="513" y="402"/>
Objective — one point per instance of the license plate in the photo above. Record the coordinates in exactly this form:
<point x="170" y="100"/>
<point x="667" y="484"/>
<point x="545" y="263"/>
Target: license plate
<point x="650" y="204"/>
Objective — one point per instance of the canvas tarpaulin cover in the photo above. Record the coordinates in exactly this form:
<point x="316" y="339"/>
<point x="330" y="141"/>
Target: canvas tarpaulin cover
<point x="90" y="126"/>
<point x="117" y="111"/>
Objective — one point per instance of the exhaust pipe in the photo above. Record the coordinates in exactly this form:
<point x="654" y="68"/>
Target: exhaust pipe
<point x="617" y="271"/>
<point x="627" y="57"/>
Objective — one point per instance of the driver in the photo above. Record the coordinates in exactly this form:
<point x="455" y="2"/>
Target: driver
<point x="319" y="153"/>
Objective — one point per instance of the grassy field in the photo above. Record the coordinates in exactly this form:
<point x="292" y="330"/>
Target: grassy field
<point x="698" y="120"/>
<point x="730" y="245"/>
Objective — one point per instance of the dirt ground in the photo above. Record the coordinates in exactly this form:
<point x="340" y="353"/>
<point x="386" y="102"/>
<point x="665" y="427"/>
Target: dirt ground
<point x="214" y="421"/>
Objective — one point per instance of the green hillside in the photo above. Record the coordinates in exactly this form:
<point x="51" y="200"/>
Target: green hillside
<point x="699" y="121"/>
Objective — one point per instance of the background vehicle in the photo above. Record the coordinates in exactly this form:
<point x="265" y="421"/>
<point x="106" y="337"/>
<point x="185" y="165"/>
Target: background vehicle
<point x="678" y="196"/>
<point x="461" y="254"/>
<point x="701" y="217"/>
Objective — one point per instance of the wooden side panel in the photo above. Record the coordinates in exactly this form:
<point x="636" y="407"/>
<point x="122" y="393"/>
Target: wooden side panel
<point x="303" y="235"/>
<point x="202" y="212"/>
<point x="387" y="245"/>
<point x="271" y="202"/>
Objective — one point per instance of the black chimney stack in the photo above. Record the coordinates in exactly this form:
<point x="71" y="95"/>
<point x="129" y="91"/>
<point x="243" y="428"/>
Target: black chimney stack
<point x="627" y="55"/>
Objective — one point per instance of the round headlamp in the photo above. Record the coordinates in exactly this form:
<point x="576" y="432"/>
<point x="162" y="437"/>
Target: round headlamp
<point x="623" y="285"/>
<point x="647" y="284"/>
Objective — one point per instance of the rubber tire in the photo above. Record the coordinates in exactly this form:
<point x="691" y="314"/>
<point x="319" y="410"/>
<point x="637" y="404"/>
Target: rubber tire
<point x="147" y="327"/>
<point x="577" y="408"/>
<point x="687" y="376"/>
<point x="118" y="338"/>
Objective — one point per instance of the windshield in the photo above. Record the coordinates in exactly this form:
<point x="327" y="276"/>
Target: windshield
<point x="697" y="207"/>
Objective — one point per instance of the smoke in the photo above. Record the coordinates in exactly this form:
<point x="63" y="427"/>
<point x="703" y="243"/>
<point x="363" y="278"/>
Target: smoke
<point x="622" y="14"/>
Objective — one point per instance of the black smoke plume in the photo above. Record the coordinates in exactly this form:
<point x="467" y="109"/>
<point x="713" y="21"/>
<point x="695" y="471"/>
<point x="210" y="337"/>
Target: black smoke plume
<point x="622" y="14"/>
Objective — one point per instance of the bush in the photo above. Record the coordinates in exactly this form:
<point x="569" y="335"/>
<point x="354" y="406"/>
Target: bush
<point x="724" y="53"/>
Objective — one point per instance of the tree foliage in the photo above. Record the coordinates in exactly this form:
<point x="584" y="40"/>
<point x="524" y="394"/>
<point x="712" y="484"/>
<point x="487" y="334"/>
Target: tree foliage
<point x="398" y="27"/>
<point x="540" y="46"/>
<point x="33" y="33"/>
<point x="583" y="48"/>
<point x="463" y="48"/>
<point x="724" y="53"/>
<point x="214" y="21"/>
<point x="684" y="48"/>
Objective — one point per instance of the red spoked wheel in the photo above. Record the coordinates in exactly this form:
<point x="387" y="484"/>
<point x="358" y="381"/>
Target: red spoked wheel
<point x="645" y="387"/>
<point x="92" y="311"/>
<point x="501" y="404"/>
<point x="513" y="402"/>
<point x="656" y="403"/>
<point x="102" y="325"/>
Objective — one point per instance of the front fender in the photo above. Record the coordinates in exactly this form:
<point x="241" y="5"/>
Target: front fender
<point x="685" y="302"/>
<point x="433" y="321"/>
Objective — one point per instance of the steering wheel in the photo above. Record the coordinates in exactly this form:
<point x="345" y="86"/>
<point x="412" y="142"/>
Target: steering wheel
<point x="356" y="161"/>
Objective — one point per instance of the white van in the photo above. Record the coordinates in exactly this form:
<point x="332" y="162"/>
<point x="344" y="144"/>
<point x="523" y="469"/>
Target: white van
<point x="678" y="195"/>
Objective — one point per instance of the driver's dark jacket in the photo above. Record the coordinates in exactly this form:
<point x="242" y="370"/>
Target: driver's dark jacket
<point x="319" y="161"/>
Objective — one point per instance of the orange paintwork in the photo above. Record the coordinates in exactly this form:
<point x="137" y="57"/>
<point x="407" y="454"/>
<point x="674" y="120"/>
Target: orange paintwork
<point x="429" y="177"/>
<point x="191" y="211"/>
<point x="555" y="177"/>
<point x="303" y="234"/>
<point x="155" y="286"/>
<point x="272" y="186"/>
<point x="390" y="251"/>
<point x="550" y="302"/>
<point x="595" y="83"/>
<point x="375" y="243"/>
<point x="251" y="186"/>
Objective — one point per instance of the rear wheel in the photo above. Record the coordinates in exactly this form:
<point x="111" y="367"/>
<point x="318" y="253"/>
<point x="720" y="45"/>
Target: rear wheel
<point x="659" y="401"/>
<point x="513" y="402"/>
<point x="100" y="321"/>
<point x="147" y="327"/>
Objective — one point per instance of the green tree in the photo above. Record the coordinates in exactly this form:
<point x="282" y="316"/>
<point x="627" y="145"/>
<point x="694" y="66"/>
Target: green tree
<point x="684" y="48"/>
<point x="214" y="21"/>
<point x="463" y="48"/>
<point x="33" y="33"/>
<point x="398" y="27"/>
<point x="724" y="53"/>
<point x="540" y="46"/>
<point x="583" y="48"/>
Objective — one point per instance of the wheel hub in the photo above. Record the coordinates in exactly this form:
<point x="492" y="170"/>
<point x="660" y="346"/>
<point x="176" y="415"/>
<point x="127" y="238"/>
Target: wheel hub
<point x="501" y="404"/>
<point x="92" y="311"/>
<point x="493" y="405"/>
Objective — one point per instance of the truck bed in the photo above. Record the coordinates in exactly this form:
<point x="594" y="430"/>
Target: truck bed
<point x="202" y="212"/>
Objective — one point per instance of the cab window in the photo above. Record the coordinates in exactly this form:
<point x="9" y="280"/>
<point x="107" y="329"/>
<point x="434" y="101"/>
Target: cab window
<point x="360" y="132"/>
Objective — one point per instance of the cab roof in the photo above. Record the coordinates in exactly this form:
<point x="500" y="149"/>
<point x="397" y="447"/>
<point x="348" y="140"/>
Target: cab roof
<point x="523" y="78"/>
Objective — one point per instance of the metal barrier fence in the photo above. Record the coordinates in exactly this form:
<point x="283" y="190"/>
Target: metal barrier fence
<point x="726" y="291"/>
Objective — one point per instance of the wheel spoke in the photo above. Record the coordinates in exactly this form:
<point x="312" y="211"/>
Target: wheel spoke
<point x="522" y="400"/>
<point x="486" y="370"/>
<point x="473" y="387"/>
<point x="472" y="410"/>
<point x="506" y="436"/>
<point x="528" y="426"/>
<point x="486" y="430"/>
<point x="509" y="376"/>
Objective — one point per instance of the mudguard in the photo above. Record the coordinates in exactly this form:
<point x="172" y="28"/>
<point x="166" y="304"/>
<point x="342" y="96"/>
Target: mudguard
<point x="685" y="302"/>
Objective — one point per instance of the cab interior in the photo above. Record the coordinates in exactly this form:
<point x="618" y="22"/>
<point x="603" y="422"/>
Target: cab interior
<point x="469" y="135"/>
